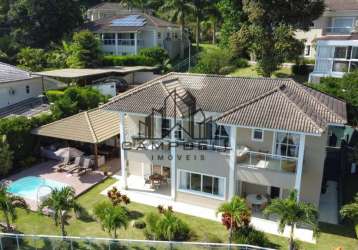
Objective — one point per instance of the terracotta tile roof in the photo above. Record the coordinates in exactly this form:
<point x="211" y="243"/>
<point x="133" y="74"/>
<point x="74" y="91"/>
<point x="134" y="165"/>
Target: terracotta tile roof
<point x="93" y="126"/>
<point x="342" y="5"/>
<point x="254" y="102"/>
<point x="104" y="24"/>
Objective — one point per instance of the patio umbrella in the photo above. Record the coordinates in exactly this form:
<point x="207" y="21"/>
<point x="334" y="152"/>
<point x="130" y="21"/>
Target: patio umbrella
<point x="68" y="152"/>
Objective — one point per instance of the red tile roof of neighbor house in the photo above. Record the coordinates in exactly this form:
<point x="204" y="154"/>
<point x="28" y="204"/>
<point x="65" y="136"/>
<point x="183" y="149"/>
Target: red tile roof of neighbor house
<point x="341" y="5"/>
<point x="252" y="102"/>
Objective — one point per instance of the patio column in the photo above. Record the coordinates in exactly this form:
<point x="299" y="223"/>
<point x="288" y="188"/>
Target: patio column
<point x="123" y="152"/>
<point x="173" y="168"/>
<point x="299" y="168"/>
<point x="136" y="43"/>
<point x="233" y="163"/>
<point x="116" y="42"/>
<point x="95" y="151"/>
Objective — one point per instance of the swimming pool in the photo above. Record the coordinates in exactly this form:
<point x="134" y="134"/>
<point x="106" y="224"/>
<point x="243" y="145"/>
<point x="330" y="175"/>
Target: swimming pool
<point x="28" y="187"/>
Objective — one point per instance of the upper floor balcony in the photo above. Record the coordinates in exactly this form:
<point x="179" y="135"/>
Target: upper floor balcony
<point x="340" y="25"/>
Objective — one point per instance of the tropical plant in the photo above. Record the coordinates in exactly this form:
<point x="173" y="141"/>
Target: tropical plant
<point x="350" y="210"/>
<point x="234" y="211"/>
<point x="166" y="226"/>
<point x="8" y="205"/>
<point x="157" y="54"/>
<point x="111" y="217"/>
<point x="292" y="213"/>
<point x="117" y="198"/>
<point x="249" y="236"/>
<point x="61" y="201"/>
<point x="32" y="59"/>
<point x="6" y="156"/>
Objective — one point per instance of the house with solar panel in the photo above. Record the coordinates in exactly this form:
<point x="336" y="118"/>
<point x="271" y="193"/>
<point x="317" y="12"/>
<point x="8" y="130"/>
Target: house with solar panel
<point x="126" y="32"/>
<point x="201" y="139"/>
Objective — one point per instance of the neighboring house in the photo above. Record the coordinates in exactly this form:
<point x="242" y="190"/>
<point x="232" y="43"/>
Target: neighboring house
<point x="127" y="33"/>
<point x="215" y="137"/>
<point x="332" y="40"/>
<point x="20" y="90"/>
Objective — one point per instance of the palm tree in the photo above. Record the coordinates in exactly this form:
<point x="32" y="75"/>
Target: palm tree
<point x="235" y="209"/>
<point x="350" y="210"/>
<point x="8" y="205"/>
<point x="291" y="213"/>
<point x="178" y="11"/>
<point x="111" y="217"/>
<point x="61" y="201"/>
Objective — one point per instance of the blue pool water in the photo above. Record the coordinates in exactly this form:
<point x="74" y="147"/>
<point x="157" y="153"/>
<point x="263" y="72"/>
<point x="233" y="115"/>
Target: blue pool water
<point x="27" y="187"/>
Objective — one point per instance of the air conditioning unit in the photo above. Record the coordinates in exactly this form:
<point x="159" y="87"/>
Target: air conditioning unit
<point x="11" y="91"/>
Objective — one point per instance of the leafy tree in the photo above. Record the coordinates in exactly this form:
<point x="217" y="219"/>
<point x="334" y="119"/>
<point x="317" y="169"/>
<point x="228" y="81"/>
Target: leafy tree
<point x="36" y="23"/>
<point x="235" y="209"/>
<point x="61" y="201"/>
<point x="269" y="32"/>
<point x="292" y="213"/>
<point x="199" y="8"/>
<point x="111" y="217"/>
<point x="8" y="205"/>
<point x="6" y="156"/>
<point x="213" y="61"/>
<point x="32" y="59"/>
<point x="84" y="50"/>
<point x="350" y="210"/>
<point x="213" y="14"/>
<point x="178" y="11"/>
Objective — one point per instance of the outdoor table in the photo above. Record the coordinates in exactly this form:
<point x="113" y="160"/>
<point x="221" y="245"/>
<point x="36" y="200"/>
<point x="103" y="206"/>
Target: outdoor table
<point x="256" y="200"/>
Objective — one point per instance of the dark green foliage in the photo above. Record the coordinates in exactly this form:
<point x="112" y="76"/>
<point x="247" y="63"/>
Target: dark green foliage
<point x="240" y="62"/>
<point x="84" y="51"/>
<point x="166" y="226"/>
<point x="76" y="99"/>
<point x="32" y="59"/>
<point x="6" y="156"/>
<point x="345" y="88"/>
<point x="300" y="69"/>
<point x="54" y="95"/>
<point x="159" y="55"/>
<point x="248" y="235"/>
<point x="129" y="60"/>
<point x="140" y="224"/>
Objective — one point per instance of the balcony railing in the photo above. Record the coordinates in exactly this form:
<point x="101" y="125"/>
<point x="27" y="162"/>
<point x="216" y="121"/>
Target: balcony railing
<point x="339" y="30"/>
<point x="260" y="160"/>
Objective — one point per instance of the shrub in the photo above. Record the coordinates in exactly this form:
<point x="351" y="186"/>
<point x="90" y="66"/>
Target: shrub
<point x="166" y="226"/>
<point x="32" y="59"/>
<point x="300" y="69"/>
<point x="211" y="61"/>
<point x="158" y="54"/>
<point x="54" y="95"/>
<point x="6" y="156"/>
<point x="248" y="235"/>
<point x="227" y="70"/>
<point x="130" y="60"/>
<point x="140" y="224"/>
<point x="240" y="62"/>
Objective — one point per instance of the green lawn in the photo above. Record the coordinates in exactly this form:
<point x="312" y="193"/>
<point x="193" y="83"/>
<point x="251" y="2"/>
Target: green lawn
<point x="203" y="230"/>
<point x="284" y="72"/>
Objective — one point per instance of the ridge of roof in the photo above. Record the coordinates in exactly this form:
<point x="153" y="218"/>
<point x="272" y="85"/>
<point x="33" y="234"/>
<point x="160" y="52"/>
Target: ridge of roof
<point x="90" y="127"/>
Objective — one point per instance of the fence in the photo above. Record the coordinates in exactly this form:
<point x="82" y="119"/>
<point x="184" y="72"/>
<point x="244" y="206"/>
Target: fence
<point x="48" y="242"/>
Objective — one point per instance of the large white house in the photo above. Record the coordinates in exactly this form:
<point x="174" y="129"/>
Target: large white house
<point x="332" y="40"/>
<point x="213" y="137"/>
<point x="20" y="90"/>
<point x="125" y="32"/>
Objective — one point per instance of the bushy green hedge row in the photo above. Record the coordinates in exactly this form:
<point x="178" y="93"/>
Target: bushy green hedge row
<point x="54" y="95"/>
<point x="129" y="60"/>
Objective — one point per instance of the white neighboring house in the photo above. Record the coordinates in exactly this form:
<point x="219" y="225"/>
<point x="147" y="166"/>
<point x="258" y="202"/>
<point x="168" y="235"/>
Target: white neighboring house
<point x="332" y="40"/>
<point x="21" y="89"/>
<point x="126" y="32"/>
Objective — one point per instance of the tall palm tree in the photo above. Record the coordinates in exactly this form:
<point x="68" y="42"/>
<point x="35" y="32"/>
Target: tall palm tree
<point x="8" y="205"/>
<point x="61" y="201"/>
<point x="291" y="213"/>
<point x="235" y="209"/>
<point x="111" y="217"/>
<point x="178" y="11"/>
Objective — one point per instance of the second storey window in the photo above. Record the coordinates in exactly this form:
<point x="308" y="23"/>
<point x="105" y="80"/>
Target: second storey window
<point x="341" y="25"/>
<point x="165" y="128"/>
<point x="221" y="136"/>
<point x="257" y="135"/>
<point x="307" y="51"/>
<point x="287" y="144"/>
<point x="109" y="39"/>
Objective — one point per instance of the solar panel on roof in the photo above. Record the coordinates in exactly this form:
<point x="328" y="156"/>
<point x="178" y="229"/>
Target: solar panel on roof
<point x="131" y="20"/>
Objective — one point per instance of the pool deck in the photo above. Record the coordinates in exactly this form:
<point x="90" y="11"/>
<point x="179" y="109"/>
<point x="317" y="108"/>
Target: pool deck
<point x="79" y="183"/>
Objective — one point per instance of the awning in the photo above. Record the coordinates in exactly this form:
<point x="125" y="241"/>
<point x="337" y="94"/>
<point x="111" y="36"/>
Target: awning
<point x="93" y="126"/>
<point x="80" y="73"/>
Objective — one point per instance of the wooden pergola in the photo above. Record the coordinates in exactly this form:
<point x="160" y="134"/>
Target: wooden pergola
<point x="94" y="126"/>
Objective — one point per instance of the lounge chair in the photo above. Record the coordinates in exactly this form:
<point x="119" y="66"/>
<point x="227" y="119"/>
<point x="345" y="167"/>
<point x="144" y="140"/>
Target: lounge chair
<point x="72" y="167"/>
<point x="59" y="167"/>
<point x="85" y="167"/>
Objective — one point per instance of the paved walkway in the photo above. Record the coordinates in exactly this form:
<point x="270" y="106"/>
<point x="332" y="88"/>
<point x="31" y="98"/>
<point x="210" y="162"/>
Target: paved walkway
<point x="328" y="204"/>
<point x="264" y="225"/>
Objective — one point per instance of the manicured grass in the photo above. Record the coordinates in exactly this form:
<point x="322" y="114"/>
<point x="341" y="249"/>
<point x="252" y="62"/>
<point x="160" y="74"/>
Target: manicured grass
<point x="284" y="72"/>
<point x="202" y="230"/>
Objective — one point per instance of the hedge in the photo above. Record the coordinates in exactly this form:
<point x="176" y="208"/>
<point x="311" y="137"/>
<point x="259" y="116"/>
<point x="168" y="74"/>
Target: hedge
<point x="129" y="60"/>
<point x="54" y="95"/>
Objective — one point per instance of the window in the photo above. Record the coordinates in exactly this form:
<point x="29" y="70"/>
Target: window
<point x="342" y="25"/>
<point x="159" y="35"/>
<point x="257" y="135"/>
<point x="340" y="52"/>
<point x="179" y="130"/>
<point x="165" y="128"/>
<point x="200" y="183"/>
<point x="108" y="39"/>
<point x="221" y="136"/>
<point x="287" y="144"/>
<point x="340" y="66"/>
<point x="307" y="51"/>
<point x="27" y="89"/>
